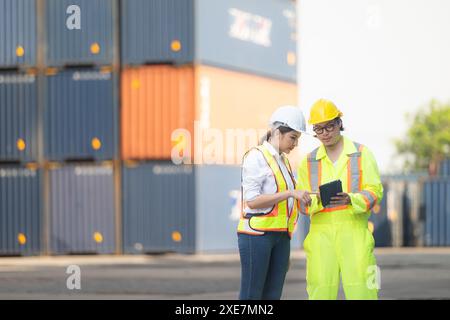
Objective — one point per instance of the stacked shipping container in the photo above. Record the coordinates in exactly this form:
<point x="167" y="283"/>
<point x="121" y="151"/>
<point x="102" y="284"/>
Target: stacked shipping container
<point x="249" y="36"/>
<point x="80" y="124"/>
<point x="199" y="82"/>
<point x="204" y="100"/>
<point x="54" y="110"/>
<point x="20" y="180"/>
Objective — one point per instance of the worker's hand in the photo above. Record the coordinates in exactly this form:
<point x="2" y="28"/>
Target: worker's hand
<point x="303" y="196"/>
<point x="342" y="198"/>
<point x="317" y="194"/>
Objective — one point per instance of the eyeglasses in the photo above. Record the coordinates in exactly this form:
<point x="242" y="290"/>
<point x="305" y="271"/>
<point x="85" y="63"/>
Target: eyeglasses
<point x="328" y="128"/>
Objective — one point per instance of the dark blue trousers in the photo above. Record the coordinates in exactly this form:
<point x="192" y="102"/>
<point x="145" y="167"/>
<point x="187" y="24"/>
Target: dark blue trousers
<point x="264" y="263"/>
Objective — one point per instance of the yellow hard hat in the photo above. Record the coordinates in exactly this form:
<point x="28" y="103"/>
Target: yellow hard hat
<point x="323" y="110"/>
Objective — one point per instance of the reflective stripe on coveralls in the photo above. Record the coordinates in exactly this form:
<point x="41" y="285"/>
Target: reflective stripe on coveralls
<point x="354" y="179"/>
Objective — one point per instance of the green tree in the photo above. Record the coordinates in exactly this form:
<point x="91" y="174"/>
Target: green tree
<point x="427" y="140"/>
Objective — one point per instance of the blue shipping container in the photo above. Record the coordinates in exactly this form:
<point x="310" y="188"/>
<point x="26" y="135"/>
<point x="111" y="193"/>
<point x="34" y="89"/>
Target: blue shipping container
<point x="17" y="33"/>
<point x="82" y="216"/>
<point x="250" y="36"/>
<point x="18" y="117"/>
<point x="20" y="210"/>
<point x="437" y="212"/>
<point x="157" y="31"/>
<point x="81" y="115"/>
<point x="158" y="200"/>
<point x="444" y="168"/>
<point x="79" y="32"/>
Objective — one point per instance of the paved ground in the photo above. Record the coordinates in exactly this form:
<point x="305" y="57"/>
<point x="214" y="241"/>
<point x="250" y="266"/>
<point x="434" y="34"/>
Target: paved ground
<point x="416" y="273"/>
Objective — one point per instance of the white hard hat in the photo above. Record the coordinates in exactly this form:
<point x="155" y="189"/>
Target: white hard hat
<point x="288" y="116"/>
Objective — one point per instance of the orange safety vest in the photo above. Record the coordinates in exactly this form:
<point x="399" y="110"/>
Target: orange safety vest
<point x="279" y="218"/>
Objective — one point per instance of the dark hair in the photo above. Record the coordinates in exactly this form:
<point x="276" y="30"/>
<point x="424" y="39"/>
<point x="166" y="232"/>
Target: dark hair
<point x="342" y="126"/>
<point x="282" y="129"/>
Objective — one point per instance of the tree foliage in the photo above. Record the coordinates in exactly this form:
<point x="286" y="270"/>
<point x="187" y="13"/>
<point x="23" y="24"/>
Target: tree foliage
<point x="427" y="140"/>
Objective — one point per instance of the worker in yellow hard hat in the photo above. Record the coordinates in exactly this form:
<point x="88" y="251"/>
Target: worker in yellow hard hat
<point x="339" y="243"/>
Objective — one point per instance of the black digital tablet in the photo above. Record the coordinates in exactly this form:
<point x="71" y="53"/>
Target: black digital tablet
<point x="328" y="190"/>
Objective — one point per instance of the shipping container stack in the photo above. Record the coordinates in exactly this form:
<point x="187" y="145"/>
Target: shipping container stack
<point x="20" y="176"/>
<point x="71" y="161"/>
<point x="80" y="121"/>
<point x="191" y="70"/>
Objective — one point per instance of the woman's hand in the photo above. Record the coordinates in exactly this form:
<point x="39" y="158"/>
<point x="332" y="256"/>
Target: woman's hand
<point x="302" y="195"/>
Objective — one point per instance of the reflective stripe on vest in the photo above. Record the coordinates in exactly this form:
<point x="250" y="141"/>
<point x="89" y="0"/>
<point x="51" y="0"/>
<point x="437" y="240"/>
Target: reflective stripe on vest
<point x="278" y="218"/>
<point x="354" y="178"/>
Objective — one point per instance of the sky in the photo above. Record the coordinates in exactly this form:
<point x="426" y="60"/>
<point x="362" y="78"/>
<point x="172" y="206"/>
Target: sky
<point x="376" y="60"/>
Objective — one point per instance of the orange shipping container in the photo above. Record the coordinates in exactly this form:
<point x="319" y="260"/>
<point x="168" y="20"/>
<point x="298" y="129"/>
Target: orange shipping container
<point x="223" y="112"/>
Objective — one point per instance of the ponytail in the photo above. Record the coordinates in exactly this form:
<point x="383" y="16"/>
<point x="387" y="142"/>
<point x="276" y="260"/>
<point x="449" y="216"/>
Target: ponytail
<point x="266" y="137"/>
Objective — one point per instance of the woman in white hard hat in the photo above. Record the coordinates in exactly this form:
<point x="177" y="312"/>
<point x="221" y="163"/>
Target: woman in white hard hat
<point x="269" y="207"/>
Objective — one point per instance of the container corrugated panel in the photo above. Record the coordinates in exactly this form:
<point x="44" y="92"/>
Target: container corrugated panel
<point x="212" y="97"/>
<point x="437" y="211"/>
<point x="157" y="31"/>
<point x="428" y="218"/>
<point x="81" y="115"/>
<point x="79" y="32"/>
<point x="158" y="201"/>
<point x="379" y="222"/>
<point x="82" y="209"/>
<point x="20" y="210"/>
<point x="444" y="168"/>
<point x="432" y="213"/>
<point x="18" y="117"/>
<point x="218" y="207"/>
<point x="250" y="36"/>
<point x="17" y="33"/>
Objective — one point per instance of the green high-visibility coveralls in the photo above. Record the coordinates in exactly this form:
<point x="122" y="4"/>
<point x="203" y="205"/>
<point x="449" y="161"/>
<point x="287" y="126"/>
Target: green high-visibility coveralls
<point x="339" y="243"/>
